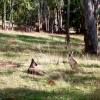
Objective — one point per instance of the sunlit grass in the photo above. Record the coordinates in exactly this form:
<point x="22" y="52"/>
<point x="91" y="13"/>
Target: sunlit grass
<point x="60" y="82"/>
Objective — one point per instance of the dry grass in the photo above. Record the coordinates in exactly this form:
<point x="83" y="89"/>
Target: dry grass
<point x="59" y="82"/>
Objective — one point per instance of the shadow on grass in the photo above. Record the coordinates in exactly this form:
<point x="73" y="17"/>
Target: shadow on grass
<point x="63" y="93"/>
<point x="73" y="40"/>
<point x="29" y="39"/>
<point x="76" y="41"/>
<point x="75" y="78"/>
<point x="30" y="43"/>
<point x="89" y="65"/>
<point x="31" y="94"/>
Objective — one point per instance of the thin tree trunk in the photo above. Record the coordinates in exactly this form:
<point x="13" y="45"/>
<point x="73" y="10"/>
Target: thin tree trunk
<point x="55" y="22"/>
<point x="48" y="19"/>
<point x="46" y="23"/>
<point x="60" y="19"/>
<point x="67" y="25"/>
<point x="39" y="16"/>
<point x="4" y="15"/>
<point x="11" y="15"/>
<point x="52" y="29"/>
<point x="25" y="21"/>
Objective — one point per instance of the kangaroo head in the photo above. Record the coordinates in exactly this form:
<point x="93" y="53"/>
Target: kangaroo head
<point x="33" y="63"/>
<point x="70" y="54"/>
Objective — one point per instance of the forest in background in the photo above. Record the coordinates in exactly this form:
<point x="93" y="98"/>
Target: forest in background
<point x="48" y="15"/>
<point x="55" y="16"/>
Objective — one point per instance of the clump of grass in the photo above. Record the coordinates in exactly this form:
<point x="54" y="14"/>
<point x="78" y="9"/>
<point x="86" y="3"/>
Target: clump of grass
<point x="9" y="72"/>
<point x="11" y="54"/>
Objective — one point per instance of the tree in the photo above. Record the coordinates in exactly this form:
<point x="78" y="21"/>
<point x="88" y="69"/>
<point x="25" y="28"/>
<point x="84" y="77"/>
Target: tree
<point x="67" y="25"/>
<point x="11" y="15"/>
<point x="60" y="13"/>
<point x="89" y="14"/>
<point x="4" y="14"/>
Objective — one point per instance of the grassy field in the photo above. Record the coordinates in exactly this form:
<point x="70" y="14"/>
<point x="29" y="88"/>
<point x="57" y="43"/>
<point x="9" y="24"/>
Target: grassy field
<point x="60" y="82"/>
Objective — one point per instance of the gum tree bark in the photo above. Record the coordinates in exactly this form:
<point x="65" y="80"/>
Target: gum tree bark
<point x="90" y="12"/>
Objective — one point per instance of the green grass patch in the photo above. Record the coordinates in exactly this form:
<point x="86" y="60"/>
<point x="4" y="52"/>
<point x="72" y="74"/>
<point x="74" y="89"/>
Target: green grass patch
<point x="11" y="54"/>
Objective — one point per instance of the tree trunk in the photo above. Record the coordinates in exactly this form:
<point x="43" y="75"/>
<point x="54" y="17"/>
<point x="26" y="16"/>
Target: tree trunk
<point x="48" y="19"/>
<point x="90" y="35"/>
<point x="4" y="15"/>
<point x="55" y="22"/>
<point x="39" y="15"/>
<point x="11" y="15"/>
<point x="67" y="25"/>
<point x="60" y="19"/>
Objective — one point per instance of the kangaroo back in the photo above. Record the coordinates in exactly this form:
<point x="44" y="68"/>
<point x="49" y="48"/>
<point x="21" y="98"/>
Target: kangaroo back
<point x="35" y="71"/>
<point x="72" y="62"/>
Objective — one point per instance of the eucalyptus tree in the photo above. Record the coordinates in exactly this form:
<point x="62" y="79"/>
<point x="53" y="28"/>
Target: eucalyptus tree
<point x="48" y="13"/>
<point x="87" y="18"/>
<point x="10" y="25"/>
<point x="67" y="24"/>
<point x="58" y="15"/>
<point x="61" y="12"/>
<point x="4" y="14"/>
<point x="89" y="10"/>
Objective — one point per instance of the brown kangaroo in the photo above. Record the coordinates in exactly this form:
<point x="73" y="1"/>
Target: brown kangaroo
<point x="33" y="70"/>
<point x="36" y="71"/>
<point x="72" y="62"/>
<point x="33" y="64"/>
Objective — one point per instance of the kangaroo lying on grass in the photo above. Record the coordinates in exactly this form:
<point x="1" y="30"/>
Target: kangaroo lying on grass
<point x="33" y="70"/>
<point x="72" y="62"/>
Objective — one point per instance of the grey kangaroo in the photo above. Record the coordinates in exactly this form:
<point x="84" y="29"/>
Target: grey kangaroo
<point x="33" y="64"/>
<point x="72" y="62"/>
<point x="33" y="70"/>
<point x="36" y="71"/>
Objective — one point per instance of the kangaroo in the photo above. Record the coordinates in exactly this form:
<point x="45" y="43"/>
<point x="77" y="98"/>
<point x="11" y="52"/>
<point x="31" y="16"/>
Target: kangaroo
<point x="36" y="71"/>
<point x="33" y="64"/>
<point x="33" y="70"/>
<point x="72" y="62"/>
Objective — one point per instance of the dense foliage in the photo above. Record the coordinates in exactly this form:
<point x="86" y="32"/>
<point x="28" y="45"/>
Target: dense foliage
<point x="25" y="12"/>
